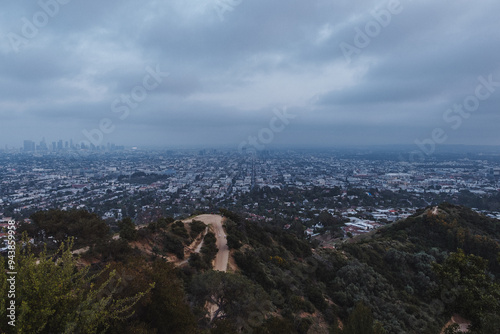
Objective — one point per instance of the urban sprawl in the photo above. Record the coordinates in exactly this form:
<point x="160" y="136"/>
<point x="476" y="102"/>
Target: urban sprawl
<point x="361" y="189"/>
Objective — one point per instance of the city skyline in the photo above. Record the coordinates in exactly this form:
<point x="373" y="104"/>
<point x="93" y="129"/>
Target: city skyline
<point x="62" y="145"/>
<point x="410" y="151"/>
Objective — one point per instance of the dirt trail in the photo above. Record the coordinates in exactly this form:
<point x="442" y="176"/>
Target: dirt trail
<point x="456" y="319"/>
<point x="222" y="257"/>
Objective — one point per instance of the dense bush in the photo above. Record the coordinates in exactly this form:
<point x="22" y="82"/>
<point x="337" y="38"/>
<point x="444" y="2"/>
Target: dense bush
<point x="196" y="228"/>
<point x="179" y="229"/>
<point x="172" y="244"/>
<point x="209" y="249"/>
<point x="87" y="228"/>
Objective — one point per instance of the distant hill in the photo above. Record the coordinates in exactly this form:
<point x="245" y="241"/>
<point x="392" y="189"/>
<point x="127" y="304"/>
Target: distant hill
<point x="409" y="254"/>
<point x="449" y="227"/>
<point x="395" y="272"/>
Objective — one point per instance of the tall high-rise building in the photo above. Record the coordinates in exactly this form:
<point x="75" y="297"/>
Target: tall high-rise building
<point x="43" y="145"/>
<point x="29" y="146"/>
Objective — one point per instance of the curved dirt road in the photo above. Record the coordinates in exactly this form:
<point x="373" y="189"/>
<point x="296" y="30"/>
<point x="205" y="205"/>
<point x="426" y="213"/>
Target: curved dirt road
<point x="223" y="254"/>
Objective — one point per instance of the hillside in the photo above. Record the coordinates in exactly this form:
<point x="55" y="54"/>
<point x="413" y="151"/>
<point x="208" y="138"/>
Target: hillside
<point x="428" y="283"/>
<point x="409" y="277"/>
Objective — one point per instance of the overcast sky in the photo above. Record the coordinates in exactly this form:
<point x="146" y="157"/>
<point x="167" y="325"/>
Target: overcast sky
<point x="346" y="71"/>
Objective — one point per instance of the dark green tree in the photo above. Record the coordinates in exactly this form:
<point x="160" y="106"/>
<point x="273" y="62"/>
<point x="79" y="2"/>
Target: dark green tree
<point x="54" y="295"/>
<point x="229" y="296"/>
<point x="127" y="229"/>
<point x="168" y="310"/>
<point x="87" y="228"/>
<point x="361" y="322"/>
<point x="476" y="295"/>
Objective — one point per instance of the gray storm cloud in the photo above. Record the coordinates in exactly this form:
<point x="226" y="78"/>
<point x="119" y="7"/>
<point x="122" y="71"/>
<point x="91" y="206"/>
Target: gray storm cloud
<point x="231" y="63"/>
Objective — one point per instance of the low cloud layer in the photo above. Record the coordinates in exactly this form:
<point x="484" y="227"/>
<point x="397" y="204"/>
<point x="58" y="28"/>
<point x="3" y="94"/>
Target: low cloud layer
<point x="352" y="72"/>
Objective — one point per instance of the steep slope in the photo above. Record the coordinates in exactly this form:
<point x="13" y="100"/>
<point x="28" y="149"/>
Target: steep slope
<point x="393" y="272"/>
<point x="408" y="277"/>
